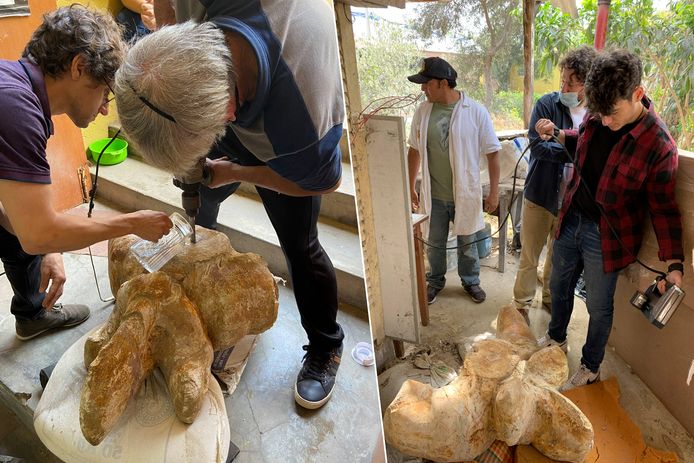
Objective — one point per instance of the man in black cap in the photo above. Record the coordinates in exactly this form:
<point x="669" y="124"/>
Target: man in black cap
<point x="450" y="133"/>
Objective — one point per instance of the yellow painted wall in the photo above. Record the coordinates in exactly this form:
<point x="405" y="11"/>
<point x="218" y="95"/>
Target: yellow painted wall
<point x="99" y="128"/>
<point x="541" y="86"/>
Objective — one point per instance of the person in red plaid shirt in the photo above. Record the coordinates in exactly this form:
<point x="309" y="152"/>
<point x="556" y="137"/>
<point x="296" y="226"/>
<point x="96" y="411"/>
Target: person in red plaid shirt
<point x="626" y="168"/>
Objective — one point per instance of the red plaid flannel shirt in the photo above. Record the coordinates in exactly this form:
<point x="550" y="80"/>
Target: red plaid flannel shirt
<point x="638" y="178"/>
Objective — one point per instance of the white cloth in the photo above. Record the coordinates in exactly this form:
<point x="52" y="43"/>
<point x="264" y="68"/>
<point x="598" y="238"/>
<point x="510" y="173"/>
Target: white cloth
<point x="471" y="136"/>
<point x="147" y="431"/>
<point x="577" y="115"/>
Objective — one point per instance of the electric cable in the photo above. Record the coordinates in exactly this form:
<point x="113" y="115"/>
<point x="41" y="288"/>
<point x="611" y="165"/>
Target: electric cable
<point x="92" y="194"/>
<point x="574" y="162"/>
<point x="502" y="222"/>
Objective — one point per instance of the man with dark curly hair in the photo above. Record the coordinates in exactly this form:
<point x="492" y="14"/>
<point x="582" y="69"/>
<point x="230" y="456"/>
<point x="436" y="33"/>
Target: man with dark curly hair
<point x="66" y="68"/>
<point x="626" y="164"/>
<point x="547" y="177"/>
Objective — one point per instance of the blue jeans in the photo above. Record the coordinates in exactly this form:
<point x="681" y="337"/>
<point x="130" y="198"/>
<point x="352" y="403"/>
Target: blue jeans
<point x="576" y="249"/>
<point x="443" y="212"/>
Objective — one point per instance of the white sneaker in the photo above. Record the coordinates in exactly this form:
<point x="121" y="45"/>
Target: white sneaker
<point x="546" y="341"/>
<point x="582" y="377"/>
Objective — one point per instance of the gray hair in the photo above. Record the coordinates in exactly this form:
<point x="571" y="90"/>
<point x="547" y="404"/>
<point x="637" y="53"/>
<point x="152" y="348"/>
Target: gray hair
<point x="185" y="73"/>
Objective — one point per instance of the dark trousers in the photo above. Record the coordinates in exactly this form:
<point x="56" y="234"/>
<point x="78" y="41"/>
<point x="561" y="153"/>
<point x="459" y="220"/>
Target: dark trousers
<point x="310" y="270"/>
<point x="24" y="273"/>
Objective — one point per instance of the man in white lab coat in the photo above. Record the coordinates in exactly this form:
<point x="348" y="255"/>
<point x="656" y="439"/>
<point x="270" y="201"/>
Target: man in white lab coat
<point x="449" y="135"/>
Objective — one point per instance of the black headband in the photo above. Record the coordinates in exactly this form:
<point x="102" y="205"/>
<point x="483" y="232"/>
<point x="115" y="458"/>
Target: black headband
<point x="150" y="105"/>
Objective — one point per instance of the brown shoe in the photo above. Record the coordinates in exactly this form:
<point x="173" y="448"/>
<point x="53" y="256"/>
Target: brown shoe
<point x="476" y="293"/>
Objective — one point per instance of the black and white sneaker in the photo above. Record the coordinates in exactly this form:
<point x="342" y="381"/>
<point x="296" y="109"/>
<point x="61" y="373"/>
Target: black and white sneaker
<point x="316" y="380"/>
<point x="432" y="293"/>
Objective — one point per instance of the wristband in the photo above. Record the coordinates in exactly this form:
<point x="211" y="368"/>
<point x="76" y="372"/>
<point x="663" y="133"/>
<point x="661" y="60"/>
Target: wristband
<point x="676" y="266"/>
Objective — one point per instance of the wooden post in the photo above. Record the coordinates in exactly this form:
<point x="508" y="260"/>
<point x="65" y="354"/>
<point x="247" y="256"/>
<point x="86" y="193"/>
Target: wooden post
<point x="528" y="60"/>
<point x="601" y="24"/>
<point x="362" y="183"/>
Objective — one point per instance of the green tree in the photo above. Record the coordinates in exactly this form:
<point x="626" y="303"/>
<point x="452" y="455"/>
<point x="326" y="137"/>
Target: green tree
<point x="555" y="34"/>
<point x="384" y="61"/>
<point x="484" y="31"/>
<point x="663" y="39"/>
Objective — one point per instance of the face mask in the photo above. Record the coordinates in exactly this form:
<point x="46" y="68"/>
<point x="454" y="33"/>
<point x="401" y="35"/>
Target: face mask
<point x="569" y="99"/>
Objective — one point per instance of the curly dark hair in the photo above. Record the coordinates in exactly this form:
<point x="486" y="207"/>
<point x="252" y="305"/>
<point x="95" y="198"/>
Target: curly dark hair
<point x="579" y="61"/>
<point x="73" y="30"/>
<point x="615" y="74"/>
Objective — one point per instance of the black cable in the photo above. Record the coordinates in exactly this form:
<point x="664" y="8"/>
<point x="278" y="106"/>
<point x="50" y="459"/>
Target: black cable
<point x="508" y="214"/>
<point x="574" y="161"/>
<point x="348" y="17"/>
<point x="92" y="192"/>
<point x="92" y="195"/>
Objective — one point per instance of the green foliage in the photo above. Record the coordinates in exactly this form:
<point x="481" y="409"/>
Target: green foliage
<point x="555" y="33"/>
<point x="488" y="34"/>
<point x="663" y="40"/>
<point x="384" y="62"/>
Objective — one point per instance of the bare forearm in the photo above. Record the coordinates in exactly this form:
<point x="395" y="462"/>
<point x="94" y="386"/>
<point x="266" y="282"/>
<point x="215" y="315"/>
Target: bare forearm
<point x="413" y="161"/>
<point x="68" y="232"/>
<point x="41" y="230"/>
<point x="164" y="13"/>
<point x="494" y="169"/>
<point x="263" y="176"/>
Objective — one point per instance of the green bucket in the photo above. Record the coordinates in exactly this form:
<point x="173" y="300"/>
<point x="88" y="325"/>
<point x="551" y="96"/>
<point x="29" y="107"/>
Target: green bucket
<point x="115" y="153"/>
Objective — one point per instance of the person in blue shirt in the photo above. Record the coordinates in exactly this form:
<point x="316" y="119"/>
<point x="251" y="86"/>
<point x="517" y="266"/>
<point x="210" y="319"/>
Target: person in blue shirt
<point x="548" y="174"/>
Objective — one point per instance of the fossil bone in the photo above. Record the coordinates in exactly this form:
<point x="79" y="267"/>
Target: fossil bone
<point x="506" y="390"/>
<point x="205" y="299"/>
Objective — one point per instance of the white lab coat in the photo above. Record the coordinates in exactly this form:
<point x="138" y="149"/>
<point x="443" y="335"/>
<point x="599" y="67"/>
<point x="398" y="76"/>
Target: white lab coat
<point x="471" y="136"/>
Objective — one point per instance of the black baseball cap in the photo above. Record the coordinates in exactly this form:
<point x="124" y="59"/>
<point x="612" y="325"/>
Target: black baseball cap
<point x="434" y="68"/>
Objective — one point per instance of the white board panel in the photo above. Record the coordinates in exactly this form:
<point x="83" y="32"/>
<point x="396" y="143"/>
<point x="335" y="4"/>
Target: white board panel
<point x="388" y="178"/>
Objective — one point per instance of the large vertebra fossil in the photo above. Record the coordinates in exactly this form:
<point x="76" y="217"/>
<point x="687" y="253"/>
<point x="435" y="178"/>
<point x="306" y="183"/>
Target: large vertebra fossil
<point x="506" y="390"/>
<point x="205" y="299"/>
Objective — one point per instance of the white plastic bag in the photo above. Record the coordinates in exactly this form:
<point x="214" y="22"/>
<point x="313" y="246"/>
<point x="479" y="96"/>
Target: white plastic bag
<point x="148" y="430"/>
<point x="508" y="157"/>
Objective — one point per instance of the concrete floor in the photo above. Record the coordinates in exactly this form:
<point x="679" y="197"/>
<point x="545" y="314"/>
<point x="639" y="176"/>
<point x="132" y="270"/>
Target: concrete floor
<point x="454" y="317"/>
<point x="265" y="422"/>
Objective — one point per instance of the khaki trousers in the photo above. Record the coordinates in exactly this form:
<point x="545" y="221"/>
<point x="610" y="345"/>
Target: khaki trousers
<point x="538" y="226"/>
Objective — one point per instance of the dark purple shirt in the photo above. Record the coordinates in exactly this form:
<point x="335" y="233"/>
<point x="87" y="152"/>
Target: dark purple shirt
<point x="25" y="123"/>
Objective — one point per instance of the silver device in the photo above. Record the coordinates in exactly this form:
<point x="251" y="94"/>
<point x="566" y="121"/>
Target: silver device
<point x="658" y="308"/>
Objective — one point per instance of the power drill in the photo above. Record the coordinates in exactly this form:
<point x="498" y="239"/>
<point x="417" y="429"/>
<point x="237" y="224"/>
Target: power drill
<point x="190" y="197"/>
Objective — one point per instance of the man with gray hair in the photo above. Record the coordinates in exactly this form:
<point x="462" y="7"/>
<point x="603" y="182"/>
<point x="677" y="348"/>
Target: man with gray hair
<point x="264" y="104"/>
<point x="66" y="68"/>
